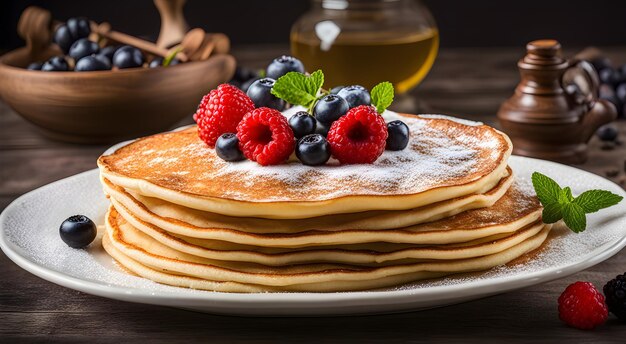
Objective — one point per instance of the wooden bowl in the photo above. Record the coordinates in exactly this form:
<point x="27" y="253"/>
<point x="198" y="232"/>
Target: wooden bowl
<point x="106" y="106"/>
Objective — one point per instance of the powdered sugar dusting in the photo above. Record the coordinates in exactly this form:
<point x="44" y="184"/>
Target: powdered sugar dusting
<point x="440" y="153"/>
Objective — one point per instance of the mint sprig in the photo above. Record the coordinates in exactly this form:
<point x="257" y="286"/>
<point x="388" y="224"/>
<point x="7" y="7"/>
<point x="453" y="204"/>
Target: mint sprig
<point x="382" y="96"/>
<point x="559" y="203"/>
<point x="299" y="89"/>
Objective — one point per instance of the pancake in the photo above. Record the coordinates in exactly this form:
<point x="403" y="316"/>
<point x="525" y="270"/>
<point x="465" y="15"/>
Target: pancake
<point x="148" y="208"/>
<point x="516" y="209"/>
<point x="371" y="254"/>
<point x="445" y="159"/>
<point x="147" y="257"/>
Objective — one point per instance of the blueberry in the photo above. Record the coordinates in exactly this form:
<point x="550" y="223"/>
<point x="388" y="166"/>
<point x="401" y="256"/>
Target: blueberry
<point x="128" y="57"/>
<point x="83" y="47"/>
<point x="260" y="93"/>
<point x="63" y="38"/>
<point x="321" y="128"/>
<point x="78" y="27"/>
<point x="227" y="147"/>
<point x="609" y="76"/>
<point x="600" y="63"/>
<point x="330" y="108"/>
<point x="92" y="63"/>
<point x="245" y="86"/>
<point x="336" y="89"/>
<point x="398" y="137"/>
<point x="158" y="62"/>
<point x="78" y="231"/>
<point x="35" y="66"/>
<point x="283" y="65"/>
<point x="55" y="64"/>
<point x="302" y="124"/>
<point x="108" y="52"/>
<point x="243" y="74"/>
<point x="620" y="92"/>
<point x="355" y="95"/>
<point x="313" y="150"/>
<point x="607" y="133"/>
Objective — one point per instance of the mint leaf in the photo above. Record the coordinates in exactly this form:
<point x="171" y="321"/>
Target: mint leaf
<point x="574" y="217"/>
<point x="568" y="194"/>
<point x="298" y="89"/>
<point x="382" y="96"/>
<point x="548" y="191"/>
<point x="552" y="213"/>
<point x="594" y="200"/>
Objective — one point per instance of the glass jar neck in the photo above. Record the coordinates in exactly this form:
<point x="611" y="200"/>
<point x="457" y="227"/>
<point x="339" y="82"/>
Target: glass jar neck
<point x="361" y="5"/>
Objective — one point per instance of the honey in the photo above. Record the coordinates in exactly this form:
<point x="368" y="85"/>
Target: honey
<point x="361" y="58"/>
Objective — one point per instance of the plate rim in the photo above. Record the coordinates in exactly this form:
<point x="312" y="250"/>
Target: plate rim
<point x="324" y="301"/>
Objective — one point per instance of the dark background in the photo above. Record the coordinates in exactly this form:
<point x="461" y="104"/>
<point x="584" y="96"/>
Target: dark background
<point x="482" y="23"/>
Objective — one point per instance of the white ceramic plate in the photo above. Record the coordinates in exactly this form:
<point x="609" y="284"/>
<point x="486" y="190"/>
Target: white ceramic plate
<point x="29" y="236"/>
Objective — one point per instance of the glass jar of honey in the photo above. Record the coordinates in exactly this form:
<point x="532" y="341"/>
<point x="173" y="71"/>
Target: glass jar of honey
<point x="364" y="42"/>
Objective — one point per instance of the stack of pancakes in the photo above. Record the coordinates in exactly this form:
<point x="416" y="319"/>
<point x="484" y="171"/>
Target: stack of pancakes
<point x="446" y="204"/>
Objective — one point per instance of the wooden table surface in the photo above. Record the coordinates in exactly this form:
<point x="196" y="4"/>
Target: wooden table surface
<point x="466" y="82"/>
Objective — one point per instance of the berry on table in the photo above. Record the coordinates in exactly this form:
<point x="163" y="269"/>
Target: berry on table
<point x="78" y="231"/>
<point x="313" y="150"/>
<point x="398" y="136"/>
<point x="83" y="47"/>
<point x="329" y="108"/>
<point x="55" y="64"/>
<point x="359" y="137"/>
<point x="260" y="92"/>
<point x="227" y="147"/>
<point x="220" y="111"/>
<point x="355" y="95"/>
<point x="265" y="136"/>
<point x="128" y="57"/>
<point x="92" y="63"/>
<point x="582" y="306"/>
<point x="615" y="293"/>
<point x="283" y="65"/>
<point x="607" y="133"/>
<point x="302" y="124"/>
<point x="35" y="66"/>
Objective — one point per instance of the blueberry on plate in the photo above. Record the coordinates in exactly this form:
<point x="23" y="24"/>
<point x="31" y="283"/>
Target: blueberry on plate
<point x="128" y="57"/>
<point x="260" y="92"/>
<point x="355" y="95"/>
<point x="283" y="65"/>
<point x="78" y="27"/>
<point x="398" y="136"/>
<point x="92" y="63"/>
<point x="83" y="47"/>
<point x="35" y="66"/>
<point x="302" y="124"/>
<point x="227" y="147"/>
<point x="607" y="133"/>
<point x="55" y="64"/>
<point x="329" y="108"/>
<point x="313" y="150"/>
<point x="336" y="89"/>
<point x="108" y="52"/>
<point x="78" y="231"/>
<point x="63" y="38"/>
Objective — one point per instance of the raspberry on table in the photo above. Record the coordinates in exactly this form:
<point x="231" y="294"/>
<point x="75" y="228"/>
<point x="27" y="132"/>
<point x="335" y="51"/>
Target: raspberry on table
<point x="615" y="293"/>
<point x="220" y="111"/>
<point x="359" y="137"/>
<point x="582" y="306"/>
<point x="265" y="136"/>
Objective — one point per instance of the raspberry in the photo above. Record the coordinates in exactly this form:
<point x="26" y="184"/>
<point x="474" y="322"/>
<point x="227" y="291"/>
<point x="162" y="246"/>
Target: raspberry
<point x="265" y="136"/>
<point x="582" y="306"/>
<point x="615" y="293"/>
<point x="358" y="137"/>
<point x="220" y="111"/>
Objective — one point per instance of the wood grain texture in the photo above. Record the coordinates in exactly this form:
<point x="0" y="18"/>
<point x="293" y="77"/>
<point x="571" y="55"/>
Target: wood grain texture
<point x="464" y="82"/>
